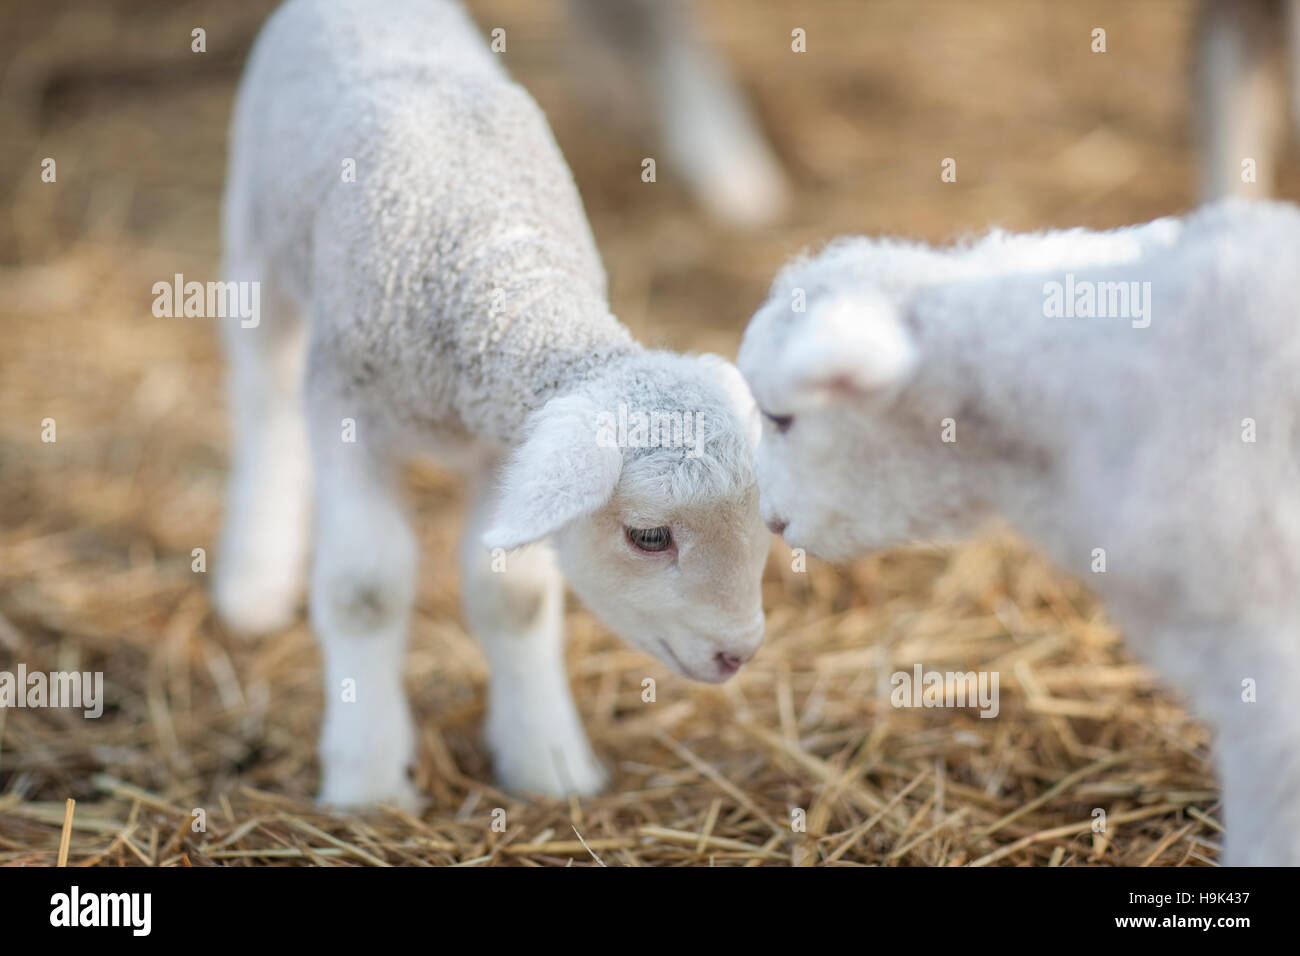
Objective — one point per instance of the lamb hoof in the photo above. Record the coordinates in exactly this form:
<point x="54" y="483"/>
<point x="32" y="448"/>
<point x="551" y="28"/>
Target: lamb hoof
<point x="362" y="795"/>
<point x="561" y="773"/>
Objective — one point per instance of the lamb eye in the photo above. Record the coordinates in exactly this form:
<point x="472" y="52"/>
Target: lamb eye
<point x="650" y="539"/>
<point x="782" y="423"/>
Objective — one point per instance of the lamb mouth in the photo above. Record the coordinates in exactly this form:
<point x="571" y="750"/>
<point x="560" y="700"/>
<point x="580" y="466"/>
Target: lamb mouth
<point x="686" y="671"/>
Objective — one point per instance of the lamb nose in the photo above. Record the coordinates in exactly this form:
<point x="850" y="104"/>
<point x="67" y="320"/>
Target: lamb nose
<point x="776" y="525"/>
<point x="729" y="663"/>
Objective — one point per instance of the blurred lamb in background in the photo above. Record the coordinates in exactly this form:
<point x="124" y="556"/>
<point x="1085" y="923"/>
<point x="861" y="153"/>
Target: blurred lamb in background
<point x="1240" y="91"/>
<point x="656" y="63"/>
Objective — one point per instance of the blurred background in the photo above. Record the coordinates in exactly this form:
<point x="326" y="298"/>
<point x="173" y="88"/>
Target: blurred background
<point x="98" y="529"/>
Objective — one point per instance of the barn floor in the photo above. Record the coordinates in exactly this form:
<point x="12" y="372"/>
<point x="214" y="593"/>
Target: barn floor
<point x="97" y="529"/>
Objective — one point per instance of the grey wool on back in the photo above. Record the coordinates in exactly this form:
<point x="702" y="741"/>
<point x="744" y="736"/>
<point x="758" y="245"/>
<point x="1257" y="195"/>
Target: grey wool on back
<point x="459" y="261"/>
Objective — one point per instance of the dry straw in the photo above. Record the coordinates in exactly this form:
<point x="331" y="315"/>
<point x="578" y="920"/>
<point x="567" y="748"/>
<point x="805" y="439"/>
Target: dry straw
<point x="205" y="754"/>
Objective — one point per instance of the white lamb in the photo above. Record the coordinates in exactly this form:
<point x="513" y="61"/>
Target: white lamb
<point x="450" y="301"/>
<point x="1166" y="433"/>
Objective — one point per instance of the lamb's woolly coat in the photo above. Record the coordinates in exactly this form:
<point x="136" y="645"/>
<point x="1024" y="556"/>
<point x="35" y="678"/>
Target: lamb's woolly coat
<point x="463" y="218"/>
<point x="405" y="202"/>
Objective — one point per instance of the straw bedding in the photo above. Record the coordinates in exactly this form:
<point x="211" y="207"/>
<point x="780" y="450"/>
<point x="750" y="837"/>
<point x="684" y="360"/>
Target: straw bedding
<point x="801" y="760"/>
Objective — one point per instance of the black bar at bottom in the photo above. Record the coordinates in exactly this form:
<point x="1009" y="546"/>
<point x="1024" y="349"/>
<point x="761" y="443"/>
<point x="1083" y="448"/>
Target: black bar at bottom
<point x="336" y="905"/>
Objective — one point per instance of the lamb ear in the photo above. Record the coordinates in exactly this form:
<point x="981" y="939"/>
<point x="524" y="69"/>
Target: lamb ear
<point x="847" y="349"/>
<point x="562" y="471"/>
